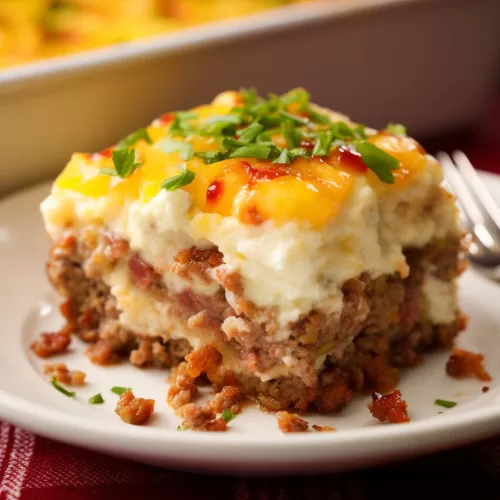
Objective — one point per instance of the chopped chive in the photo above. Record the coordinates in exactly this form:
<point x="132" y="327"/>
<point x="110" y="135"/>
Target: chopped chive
<point x="290" y="133"/>
<point x="168" y="146"/>
<point x="285" y="158"/>
<point x="444" y="403"/>
<point x="377" y="160"/>
<point x="396" y="129"/>
<point x="124" y="162"/>
<point x="210" y="156"/>
<point x="249" y="133"/>
<point x="228" y="415"/>
<point x="108" y="171"/>
<point x="323" y="144"/>
<point x="296" y="119"/>
<point x="61" y="389"/>
<point x="96" y="399"/>
<point x="252" y="151"/>
<point x="249" y="96"/>
<point x="178" y="181"/>
<point x="120" y="390"/>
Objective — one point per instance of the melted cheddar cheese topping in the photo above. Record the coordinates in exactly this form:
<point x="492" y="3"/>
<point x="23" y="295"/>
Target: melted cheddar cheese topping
<point x="310" y="188"/>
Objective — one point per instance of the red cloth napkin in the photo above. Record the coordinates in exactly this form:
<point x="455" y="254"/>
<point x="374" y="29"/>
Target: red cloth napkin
<point x="37" y="468"/>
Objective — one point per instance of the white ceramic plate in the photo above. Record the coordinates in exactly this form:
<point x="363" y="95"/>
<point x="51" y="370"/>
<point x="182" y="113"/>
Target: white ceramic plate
<point x="254" y="443"/>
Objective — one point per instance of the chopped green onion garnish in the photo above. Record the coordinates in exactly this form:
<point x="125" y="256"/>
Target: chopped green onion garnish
<point x="252" y="151"/>
<point x="396" y="129"/>
<point x="210" y="156"/>
<point x="296" y="119"/>
<point x="322" y="146"/>
<point x="249" y="96"/>
<point x="96" y="399"/>
<point x="108" y="171"/>
<point x="228" y="415"/>
<point x="340" y="130"/>
<point x="377" y="160"/>
<point x="316" y="117"/>
<point x="290" y="133"/>
<point x="124" y="162"/>
<point x="249" y="133"/>
<point x="180" y="428"/>
<point x="285" y="158"/>
<point x="185" y="149"/>
<point x="444" y="403"/>
<point x="120" y="390"/>
<point x="179" y="180"/>
<point x="61" y="389"/>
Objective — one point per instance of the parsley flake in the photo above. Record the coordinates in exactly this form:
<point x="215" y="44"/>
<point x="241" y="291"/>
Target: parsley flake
<point x="228" y="415"/>
<point x="178" y="181"/>
<point x="120" y="390"/>
<point x="124" y="162"/>
<point x="61" y="389"/>
<point x="96" y="399"/>
<point x="444" y="403"/>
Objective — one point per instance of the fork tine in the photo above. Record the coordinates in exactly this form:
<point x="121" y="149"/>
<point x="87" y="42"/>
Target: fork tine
<point x="467" y="202"/>
<point x="460" y="190"/>
<point x="482" y="194"/>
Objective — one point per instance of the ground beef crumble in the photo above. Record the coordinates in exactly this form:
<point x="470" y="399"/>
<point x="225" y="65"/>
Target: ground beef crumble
<point x="466" y="364"/>
<point x="202" y="418"/>
<point x="389" y="408"/>
<point x="323" y="428"/>
<point x="64" y="375"/>
<point x="135" y="411"/>
<point x="290" y="422"/>
<point x="50" y="344"/>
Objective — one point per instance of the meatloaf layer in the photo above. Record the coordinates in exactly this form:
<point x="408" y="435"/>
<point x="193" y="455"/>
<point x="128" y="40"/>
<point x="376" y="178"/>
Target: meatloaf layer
<point x="384" y="324"/>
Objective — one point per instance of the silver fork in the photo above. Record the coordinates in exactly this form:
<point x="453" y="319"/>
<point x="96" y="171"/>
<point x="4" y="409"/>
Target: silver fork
<point x="481" y="212"/>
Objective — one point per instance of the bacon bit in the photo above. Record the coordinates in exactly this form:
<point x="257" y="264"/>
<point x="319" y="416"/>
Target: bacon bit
<point x="142" y="272"/>
<point x="63" y="375"/>
<point x="51" y="344"/>
<point x="194" y="255"/>
<point x="203" y="360"/>
<point x="214" y="191"/>
<point x="323" y="428"/>
<point x="466" y="364"/>
<point x="135" y="411"/>
<point x="166" y="118"/>
<point x="485" y="389"/>
<point x="350" y="159"/>
<point x="289" y="422"/>
<point x="101" y="353"/>
<point x="117" y="247"/>
<point x="389" y="408"/>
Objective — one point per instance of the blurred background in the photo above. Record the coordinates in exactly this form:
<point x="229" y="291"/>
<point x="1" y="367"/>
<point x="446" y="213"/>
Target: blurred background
<point x="76" y="75"/>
